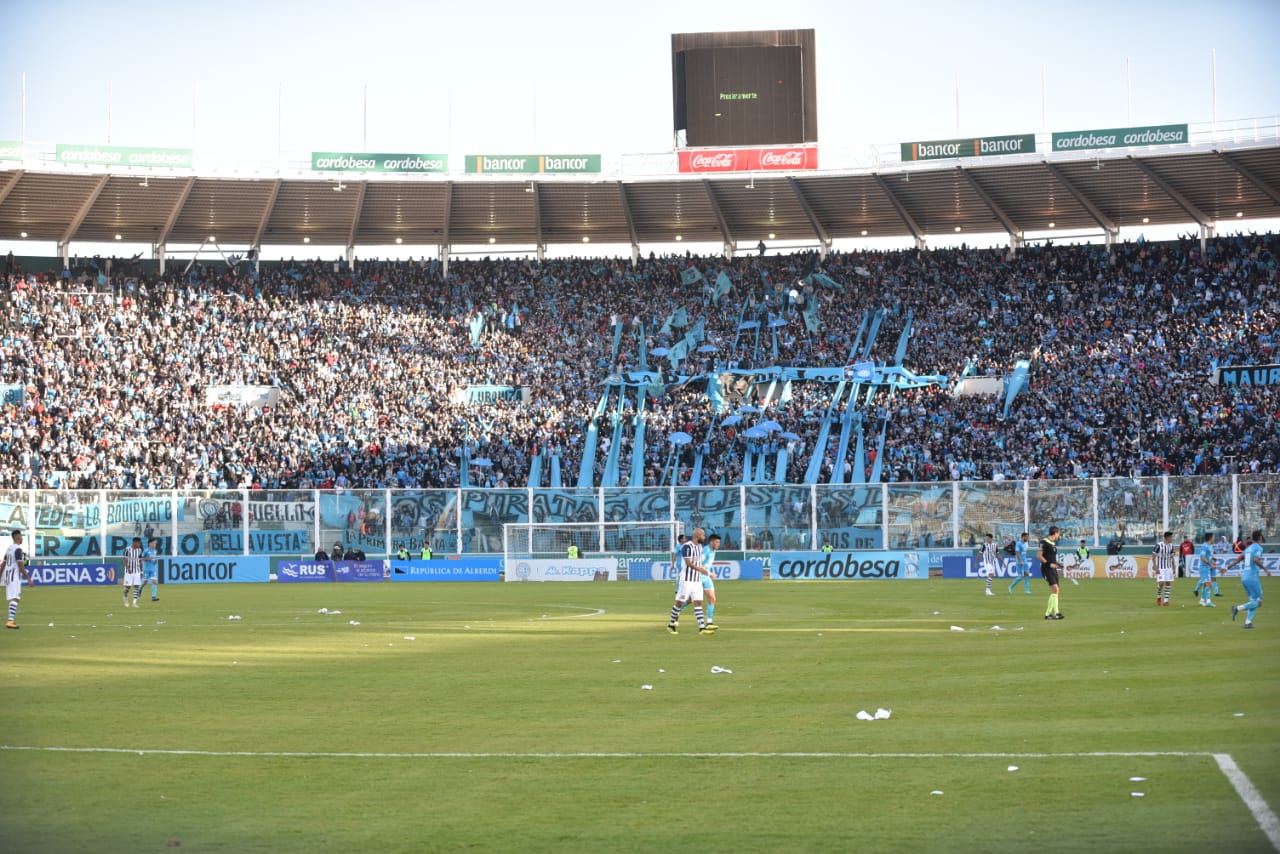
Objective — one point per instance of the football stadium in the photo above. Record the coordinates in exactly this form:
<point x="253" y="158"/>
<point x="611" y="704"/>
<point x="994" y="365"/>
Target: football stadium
<point x="898" y="498"/>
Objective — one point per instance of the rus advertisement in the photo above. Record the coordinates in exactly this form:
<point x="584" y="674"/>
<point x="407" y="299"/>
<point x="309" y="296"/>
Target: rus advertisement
<point x="847" y="566"/>
<point x="779" y="159"/>
<point x="721" y="570"/>
<point x="448" y="569"/>
<point x="564" y="569"/>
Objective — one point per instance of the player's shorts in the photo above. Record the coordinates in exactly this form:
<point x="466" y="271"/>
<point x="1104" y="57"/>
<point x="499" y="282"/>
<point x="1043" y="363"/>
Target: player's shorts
<point x="150" y="575"/>
<point x="689" y="591"/>
<point x="1206" y="573"/>
<point x="132" y="578"/>
<point x="1165" y="575"/>
<point x="988" y="569"/>
<point x="13" y="589"/>
<point x="1252" y="588"/>
<point x="1022" y="569"/>
<point x="708" y="583"/>
<point x="1050" y="574"/>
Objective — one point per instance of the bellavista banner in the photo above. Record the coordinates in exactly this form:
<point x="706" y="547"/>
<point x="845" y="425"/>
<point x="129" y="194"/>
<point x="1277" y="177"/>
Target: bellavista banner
<point x="748" y="159"/>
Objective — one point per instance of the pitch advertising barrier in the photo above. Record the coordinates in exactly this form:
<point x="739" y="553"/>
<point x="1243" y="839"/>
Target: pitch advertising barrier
<point x="183" y="570"/>
<point x="358" y="570"/>
<point x="782" y="158"/>
<point x="74" y="574"/>
<point x="846" y="566"/>
<point x="448" y="569"/>
<point x="288" y="571"/>
<point x="721" y="570"/>
<point x="589" y="569"/>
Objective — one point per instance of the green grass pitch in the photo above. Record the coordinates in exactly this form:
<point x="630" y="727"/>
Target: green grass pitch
<point x="514" y="717"/>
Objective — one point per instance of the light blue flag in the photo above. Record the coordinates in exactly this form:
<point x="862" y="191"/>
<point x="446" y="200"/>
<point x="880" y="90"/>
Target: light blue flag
<point x="827" y="282"/>
<point x="477" y="326"/>
<point x="690" y="275"/>
<point x="679" y="318"/>
<point x="723" y="286"/>
<point x="810" y="315"/>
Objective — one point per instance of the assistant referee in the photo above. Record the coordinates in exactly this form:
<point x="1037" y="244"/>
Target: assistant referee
<point x="1049" y="567"/>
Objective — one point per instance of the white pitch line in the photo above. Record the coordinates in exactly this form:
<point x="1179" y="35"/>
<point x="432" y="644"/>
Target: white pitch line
<point x="608" y="755"/>
<point x="1252" y="798"/>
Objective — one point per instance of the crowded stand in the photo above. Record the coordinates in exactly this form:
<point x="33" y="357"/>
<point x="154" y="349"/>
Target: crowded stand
<point x="374" y="362"/>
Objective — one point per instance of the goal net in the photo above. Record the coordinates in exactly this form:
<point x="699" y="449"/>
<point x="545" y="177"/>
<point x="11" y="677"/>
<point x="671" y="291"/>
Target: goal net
<point x="525" y="540"/>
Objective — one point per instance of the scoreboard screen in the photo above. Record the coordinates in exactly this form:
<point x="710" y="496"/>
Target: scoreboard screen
<point x="743" y="94"/>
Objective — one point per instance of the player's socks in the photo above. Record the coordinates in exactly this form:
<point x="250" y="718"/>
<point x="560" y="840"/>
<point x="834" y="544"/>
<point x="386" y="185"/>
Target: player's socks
<point x="13" y="611"/>
<point x="1052" y="607"/>
<point x="155" y="592"/>
<point x="675" y="613"/>
<point x="697" y="612"/>
<point x="711" y="612"/>
<point x="1014" y="583"/>
<point x="1215" y="589"/>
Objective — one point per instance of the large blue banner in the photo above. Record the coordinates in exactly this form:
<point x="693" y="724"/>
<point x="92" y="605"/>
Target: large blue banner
<point x="77" y="574"/>
<point x="215" y="570"/>
<point x="450" y="569"/>
<point x="304" y="570"/>
<point x="842" y="566"/>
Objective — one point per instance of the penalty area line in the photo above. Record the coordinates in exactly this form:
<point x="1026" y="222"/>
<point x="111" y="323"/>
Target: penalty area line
<point x="1252" y="798"/>
<point x="620" y="755"/>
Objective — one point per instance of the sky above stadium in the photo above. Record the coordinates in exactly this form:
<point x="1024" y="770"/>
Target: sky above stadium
<point x="250" y="78"/>
<point x="248" y="82"/>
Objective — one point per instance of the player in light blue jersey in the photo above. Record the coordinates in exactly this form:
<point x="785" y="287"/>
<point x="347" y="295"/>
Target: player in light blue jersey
<point x="708" y="580"/>
<point x="1208" y="583"/>
<point x="677" y="562"/>
<point x="1252" y="565"/>
<point x="151" y="568"/>
<point x="1022" y="567"/>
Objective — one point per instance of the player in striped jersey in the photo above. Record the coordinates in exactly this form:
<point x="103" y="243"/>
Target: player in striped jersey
<point x="1164" y="559"/>
<point x="15" y="569"/>
<point x="133" y="571"/>
<point x="690" y="589"/>
<point x="988" y="561"/>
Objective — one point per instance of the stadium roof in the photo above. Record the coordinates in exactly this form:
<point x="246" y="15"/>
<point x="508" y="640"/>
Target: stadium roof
<point x="1020" y="194"/>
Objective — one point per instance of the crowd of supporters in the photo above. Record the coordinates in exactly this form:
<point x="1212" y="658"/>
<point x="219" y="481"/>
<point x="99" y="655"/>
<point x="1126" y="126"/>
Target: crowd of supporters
<point x="374" y="363"/>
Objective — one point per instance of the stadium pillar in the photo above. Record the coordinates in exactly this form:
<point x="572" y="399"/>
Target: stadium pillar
<point x="1016" y="242"/>
<point x="1206" y="234"/>
<point x="542" y="252"/>
<point x="351" y="257"/>
<point x="635" y="255"/>
<point x="728" y="251"/>
<point x="157" y="252"/>
<point x="444" y="260"/>
<point x="920" y="244"/>
<point x="64" y="252"/>
<point x="1113" y="234"/>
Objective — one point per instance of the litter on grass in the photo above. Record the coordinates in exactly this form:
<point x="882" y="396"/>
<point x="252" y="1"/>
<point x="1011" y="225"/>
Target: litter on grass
<point x="233" y="617"/>
<point x="1137" y="779"/>
<point x="1013" y="767"/>
<point x="409" y="637"/>
<point x="1137" y="794"/>
<point x="957" y="629"/>
<point x="864" y="716"/>
<point x="715" y="668"/>
<point x="646" y="687"/>
<point x="883" y="714"/>
<point x="936" y="792"/>
<point x="353" y="622"/>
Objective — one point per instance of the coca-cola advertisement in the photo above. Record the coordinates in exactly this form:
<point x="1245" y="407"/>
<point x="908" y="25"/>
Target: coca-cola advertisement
<point x="784" y="158"/>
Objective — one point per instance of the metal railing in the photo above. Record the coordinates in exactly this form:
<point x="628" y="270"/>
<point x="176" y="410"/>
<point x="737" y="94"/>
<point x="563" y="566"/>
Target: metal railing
<point x="87" y="524"/>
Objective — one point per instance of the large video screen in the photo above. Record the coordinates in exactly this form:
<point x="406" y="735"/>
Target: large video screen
<point x="743" y="96"/>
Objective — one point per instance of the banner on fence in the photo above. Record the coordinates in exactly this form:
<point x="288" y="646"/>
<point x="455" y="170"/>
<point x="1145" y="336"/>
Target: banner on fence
<point x="591" y="569"/>
<point x="358" y="570"/>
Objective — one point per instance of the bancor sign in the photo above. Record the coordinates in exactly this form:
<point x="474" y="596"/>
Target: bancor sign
<point x="529" y="164"/>
<point x="982" y="146"/>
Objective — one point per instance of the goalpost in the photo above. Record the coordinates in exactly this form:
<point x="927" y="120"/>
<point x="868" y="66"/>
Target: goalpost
<point x="526" y="540"/>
